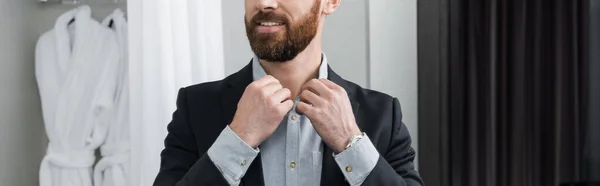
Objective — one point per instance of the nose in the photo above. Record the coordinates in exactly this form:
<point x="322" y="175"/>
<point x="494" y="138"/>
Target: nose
<point x="267" y="5"/>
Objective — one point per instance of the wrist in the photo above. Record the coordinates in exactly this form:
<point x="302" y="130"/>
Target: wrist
<point x="248" y="139"/>
<point x="345" y="141"/>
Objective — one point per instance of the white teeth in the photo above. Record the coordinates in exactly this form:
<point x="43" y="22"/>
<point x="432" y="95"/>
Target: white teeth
<point x="270" y="24"/>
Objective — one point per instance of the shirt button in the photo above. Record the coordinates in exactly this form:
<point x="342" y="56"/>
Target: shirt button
<point x="243" y="163"/>
<point x="348" y="168"/>
<point x="293" y="165"/>
<point x="293" y="117"/>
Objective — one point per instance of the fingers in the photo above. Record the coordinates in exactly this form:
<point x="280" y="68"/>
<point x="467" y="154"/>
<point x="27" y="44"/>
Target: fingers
<point x="281" y="101"/>
<point x="285" y="107"/>
<point x="310" y="97"/>
<point x="264" y="81"/>
<point x="270" y="89"/>
<point x="330" y="84"/>
<point x="304" y="108"/>
<point x="280" y="96"/>
<point x="317" y="86"/>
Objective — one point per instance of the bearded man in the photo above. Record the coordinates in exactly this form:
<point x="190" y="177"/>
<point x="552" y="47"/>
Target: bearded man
<point x="286" y="119"/>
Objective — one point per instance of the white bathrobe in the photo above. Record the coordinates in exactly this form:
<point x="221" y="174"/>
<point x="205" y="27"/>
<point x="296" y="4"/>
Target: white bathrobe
<point x="76" y="70"/>
<point x="113" y="168"/>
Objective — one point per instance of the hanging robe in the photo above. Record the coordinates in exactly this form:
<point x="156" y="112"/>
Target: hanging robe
<point x="75" y="66"/>
<point x="113" y="167"/>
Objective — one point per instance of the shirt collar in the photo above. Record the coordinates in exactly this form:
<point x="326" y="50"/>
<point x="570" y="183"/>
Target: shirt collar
<point x="258" y="71"/>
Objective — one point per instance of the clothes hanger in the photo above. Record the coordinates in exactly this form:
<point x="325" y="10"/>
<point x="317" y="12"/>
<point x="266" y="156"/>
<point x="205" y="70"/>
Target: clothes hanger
<point x="73" y="19"/>
<point x="71" y="22"/>
<point x="112" y="21"/>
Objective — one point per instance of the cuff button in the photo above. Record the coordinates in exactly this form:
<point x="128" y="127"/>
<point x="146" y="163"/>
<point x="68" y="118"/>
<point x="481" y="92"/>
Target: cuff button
<point x="293" y="165"/>
<point x="348" y="168"/>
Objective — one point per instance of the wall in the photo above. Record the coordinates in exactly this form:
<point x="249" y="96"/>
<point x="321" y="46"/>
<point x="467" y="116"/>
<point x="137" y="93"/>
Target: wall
<point x="371" y="43"/>
<point x="345" y="41"/>
<point x="393" y="56"/>
<point x="22" y="136"/>
<point x="235" y="44"/>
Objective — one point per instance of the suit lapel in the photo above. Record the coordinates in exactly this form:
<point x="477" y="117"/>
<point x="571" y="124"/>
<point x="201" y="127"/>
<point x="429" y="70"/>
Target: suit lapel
<point x="237" y="83"/>
<point x="331" y="173"/>
<point x="350" y="89"/>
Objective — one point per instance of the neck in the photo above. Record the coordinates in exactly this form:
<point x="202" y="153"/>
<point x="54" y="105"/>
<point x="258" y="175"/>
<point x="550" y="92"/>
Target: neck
<point x="294" y="73"/>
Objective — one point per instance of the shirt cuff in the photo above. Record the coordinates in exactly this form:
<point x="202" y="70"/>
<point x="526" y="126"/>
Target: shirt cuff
<point x="232" y="156"/>
<point x="358" y="161"/>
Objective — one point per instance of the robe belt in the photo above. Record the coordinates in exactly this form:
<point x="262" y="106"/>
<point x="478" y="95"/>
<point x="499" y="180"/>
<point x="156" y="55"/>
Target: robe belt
<point x="70" y="159"/>
<point x="113" y="155"/>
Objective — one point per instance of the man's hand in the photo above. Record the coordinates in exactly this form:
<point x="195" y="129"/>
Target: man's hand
<point x="327" y="106"/>
<point x="260" y="110"/>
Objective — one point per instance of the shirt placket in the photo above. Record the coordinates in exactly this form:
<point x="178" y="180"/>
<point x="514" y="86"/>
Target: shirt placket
<point x="292" y="147"/>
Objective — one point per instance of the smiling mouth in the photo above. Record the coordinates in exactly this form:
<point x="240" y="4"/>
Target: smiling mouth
<point x="267" y="23"/>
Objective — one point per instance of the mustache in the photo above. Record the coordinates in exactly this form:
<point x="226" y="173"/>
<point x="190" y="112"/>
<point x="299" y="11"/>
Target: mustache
<point x="269" y="16"/>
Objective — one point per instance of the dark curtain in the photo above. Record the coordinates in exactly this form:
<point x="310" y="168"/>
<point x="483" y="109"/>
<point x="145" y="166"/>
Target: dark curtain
<point x="518" y="92"/>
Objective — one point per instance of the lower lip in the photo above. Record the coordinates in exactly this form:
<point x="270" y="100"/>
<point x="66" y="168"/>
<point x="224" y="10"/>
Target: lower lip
<point x="269" y="29"/>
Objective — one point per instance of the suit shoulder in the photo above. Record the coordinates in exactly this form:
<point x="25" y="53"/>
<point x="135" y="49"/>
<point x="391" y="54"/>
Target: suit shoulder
<point x="207" y="92"/>
<point x="369" y="96"/>
<point x="211" y="87"/>
<point x="205" y="88"/>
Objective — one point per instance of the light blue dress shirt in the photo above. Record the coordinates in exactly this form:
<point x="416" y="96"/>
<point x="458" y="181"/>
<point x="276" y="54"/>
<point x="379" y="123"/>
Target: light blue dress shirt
<point x="292" y="155"/>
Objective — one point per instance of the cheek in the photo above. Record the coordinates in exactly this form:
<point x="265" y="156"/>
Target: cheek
<point x="250" y="9"/>
<point x="246" y="19"/>
<point x="247" y="16"/>
<point x="295" y="9"/>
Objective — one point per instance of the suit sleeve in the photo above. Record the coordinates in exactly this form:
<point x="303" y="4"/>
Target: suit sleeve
<point x="396" y="166"/>
<point x="181" y="164"/>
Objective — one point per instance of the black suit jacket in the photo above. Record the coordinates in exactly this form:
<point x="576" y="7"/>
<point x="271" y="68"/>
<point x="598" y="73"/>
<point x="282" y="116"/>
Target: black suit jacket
<point x="205" y="109"/>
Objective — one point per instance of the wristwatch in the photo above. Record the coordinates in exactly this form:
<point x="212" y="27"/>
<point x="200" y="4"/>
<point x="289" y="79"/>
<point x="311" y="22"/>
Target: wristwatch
<point x="354" y="139"/>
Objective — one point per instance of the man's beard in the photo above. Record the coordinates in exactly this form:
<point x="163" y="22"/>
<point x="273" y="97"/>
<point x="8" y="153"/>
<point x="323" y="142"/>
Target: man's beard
<point x="286" y="44"/>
